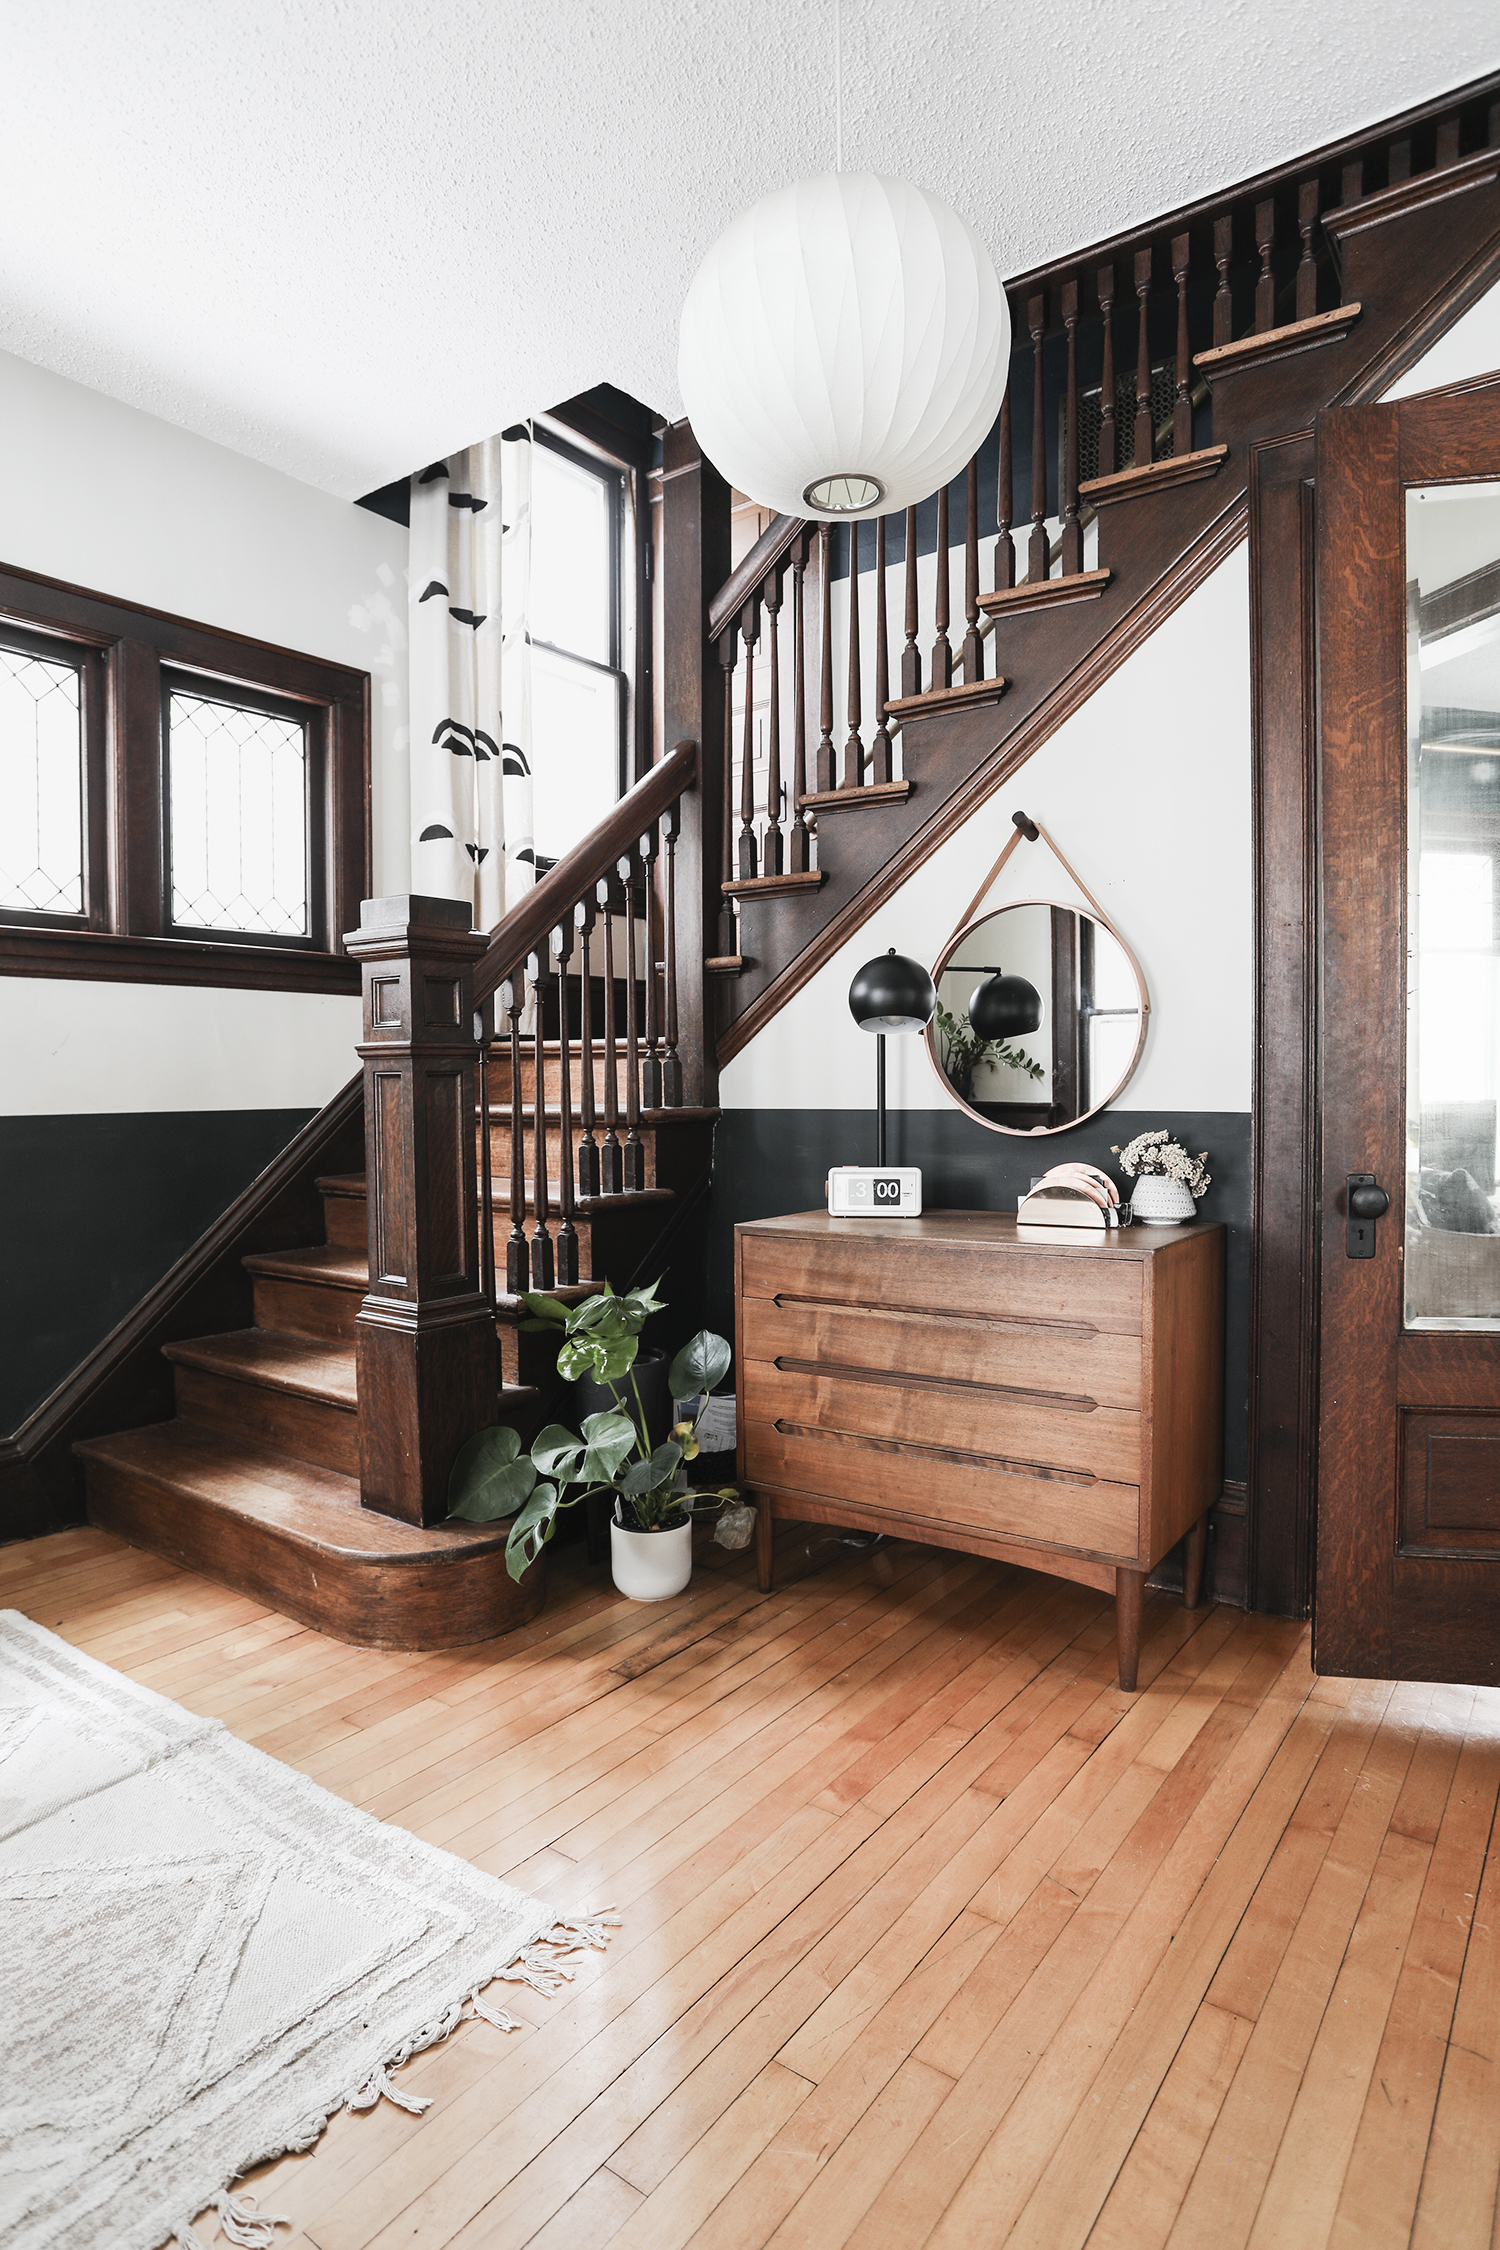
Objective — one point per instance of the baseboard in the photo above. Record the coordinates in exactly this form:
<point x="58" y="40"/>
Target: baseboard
<point x="1226" y="1575"/>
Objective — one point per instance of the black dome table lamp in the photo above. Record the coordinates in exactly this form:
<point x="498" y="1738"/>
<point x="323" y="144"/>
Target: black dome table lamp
<point x="890" y="993"/>
<point x="1005" y="1007"/>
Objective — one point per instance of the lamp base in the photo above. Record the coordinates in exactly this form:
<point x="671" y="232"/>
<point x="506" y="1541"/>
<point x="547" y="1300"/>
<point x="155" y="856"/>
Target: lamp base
<point x="874" y="1191"/>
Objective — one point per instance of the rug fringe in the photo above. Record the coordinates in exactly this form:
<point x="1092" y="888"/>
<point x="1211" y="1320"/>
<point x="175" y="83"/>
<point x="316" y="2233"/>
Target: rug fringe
<point x="545" y="1965"/>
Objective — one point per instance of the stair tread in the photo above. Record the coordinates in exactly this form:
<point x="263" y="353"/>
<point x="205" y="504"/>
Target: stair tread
<point x="316" y="1508"/>
<point x="323" y="1262"/>
<point x="309" y="1366"/>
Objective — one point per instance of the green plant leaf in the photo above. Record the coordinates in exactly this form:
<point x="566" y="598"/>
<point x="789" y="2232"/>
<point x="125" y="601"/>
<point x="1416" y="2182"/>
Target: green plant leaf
<point x="548" y="1310"/>
<point x="700" y="1364"/>
<point x="610" y="1438"/>
<point x="606" y="1358"/>
<point x="557" y="1453"/>
<point x="531" y="1530"/>
<point x="490" y="1478"/>
<point x="647" y="1475"/>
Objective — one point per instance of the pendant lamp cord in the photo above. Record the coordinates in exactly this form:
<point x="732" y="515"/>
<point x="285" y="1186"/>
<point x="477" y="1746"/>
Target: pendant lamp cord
<point x="838" y="85"/>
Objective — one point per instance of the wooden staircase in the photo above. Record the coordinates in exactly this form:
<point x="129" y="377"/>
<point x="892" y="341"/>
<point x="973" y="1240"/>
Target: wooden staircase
<point x="306" y="1460"/>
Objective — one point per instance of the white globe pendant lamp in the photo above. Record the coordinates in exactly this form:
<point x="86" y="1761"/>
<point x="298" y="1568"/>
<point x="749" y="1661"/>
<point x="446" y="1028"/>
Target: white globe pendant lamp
<point x="844" y="347"/>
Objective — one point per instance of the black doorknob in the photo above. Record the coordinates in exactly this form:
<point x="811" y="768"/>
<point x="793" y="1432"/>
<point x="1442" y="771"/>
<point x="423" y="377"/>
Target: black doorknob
<point x="1368" y="1202"/>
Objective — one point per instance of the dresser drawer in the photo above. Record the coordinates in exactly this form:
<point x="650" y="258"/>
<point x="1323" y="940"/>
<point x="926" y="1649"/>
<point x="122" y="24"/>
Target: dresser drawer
<point x="1087" y="1515"/>
<point x="1070" y="1359"/>
<point x="1103" y="1440"/>
<point x="934" y="1277"/>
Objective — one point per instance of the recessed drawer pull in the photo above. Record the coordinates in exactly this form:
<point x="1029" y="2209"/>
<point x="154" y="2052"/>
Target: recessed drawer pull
<point x="952" y="1454"/>
<point x="891" y="1310"/>
<point x="1061" y="1402"/>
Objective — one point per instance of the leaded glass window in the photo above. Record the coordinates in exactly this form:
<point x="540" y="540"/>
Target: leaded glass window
<point x="41" y="783"/>
<point x="238" y="816"/>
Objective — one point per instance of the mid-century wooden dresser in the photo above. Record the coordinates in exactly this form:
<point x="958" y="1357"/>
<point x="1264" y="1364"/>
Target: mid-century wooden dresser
<point x="956" y="1380"/>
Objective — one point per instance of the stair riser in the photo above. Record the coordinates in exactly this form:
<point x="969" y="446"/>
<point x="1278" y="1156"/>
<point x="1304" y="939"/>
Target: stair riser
<point x="344" y="1221"/>
<point x="306" y="1308"/>
<point x="307" y="1429"/>
<point x="500" y="1151"/>
<point x="609" y="1245"/>
<point x="499" y="1078"/>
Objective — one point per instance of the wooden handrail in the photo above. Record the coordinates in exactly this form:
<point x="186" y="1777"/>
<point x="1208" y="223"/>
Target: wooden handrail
<point x="524" y="929"/>
<point x="773" y="546"/>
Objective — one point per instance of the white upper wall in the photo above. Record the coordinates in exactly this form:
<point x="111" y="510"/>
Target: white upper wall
<point x="1147" y="790"/>
<point x="125" y="505"/>
<point x="1470" y="347"/>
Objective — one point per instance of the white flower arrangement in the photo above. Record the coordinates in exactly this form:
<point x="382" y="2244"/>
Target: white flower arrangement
<point x="1167" y="1159"/>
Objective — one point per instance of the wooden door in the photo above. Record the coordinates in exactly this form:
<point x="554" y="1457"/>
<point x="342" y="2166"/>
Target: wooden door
<point x="1408" y="1513"/>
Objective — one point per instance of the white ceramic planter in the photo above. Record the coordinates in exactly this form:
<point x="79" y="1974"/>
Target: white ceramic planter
<point x="1159" y="1202"/>
<point x="650" y="1565"/>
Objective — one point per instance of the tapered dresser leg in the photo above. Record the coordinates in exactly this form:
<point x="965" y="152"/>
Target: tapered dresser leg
<point x="1194" y="1548"/>
<point x="1130" y="1598"/>
<point x="765" y="1532"/>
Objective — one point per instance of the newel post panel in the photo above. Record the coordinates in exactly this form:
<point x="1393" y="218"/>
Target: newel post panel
<point x="425" y="1338"/>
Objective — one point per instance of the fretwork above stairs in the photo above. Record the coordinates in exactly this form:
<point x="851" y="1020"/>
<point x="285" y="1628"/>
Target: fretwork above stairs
<point x="1402" y="259"/>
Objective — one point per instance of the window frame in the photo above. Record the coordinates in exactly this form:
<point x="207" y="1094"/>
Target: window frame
<point x="126" y="932"/>
<point x="614" y="476"/>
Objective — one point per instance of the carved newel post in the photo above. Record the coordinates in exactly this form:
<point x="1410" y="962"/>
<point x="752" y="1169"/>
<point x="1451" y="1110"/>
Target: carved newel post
<point x="425" y="1338"/>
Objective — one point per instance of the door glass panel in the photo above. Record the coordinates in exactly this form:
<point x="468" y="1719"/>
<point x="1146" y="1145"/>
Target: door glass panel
<point x="1453" y="906"/>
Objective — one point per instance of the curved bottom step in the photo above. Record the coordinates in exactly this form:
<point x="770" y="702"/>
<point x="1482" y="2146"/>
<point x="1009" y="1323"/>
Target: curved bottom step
<point x="295" y="1536"/>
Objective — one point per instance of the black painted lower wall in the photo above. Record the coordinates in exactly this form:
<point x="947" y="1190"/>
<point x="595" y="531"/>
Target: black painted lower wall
<point x="96" y="1209"/>
<point x="770" y="1161"/>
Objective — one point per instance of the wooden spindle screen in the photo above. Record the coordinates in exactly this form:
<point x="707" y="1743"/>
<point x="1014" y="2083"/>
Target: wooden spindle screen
<point x="1038" y="561"/>
<point x="1145" y="434"/>
<point x="1108" y="458"/>
<point x="1182" y="406"/>
<point x="1072" y="529"/>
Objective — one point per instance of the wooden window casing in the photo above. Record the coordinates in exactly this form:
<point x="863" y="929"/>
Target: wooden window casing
<point x="131" y="657"/>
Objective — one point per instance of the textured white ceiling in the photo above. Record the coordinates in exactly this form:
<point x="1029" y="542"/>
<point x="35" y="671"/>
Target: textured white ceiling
<point x="343" y="236"/>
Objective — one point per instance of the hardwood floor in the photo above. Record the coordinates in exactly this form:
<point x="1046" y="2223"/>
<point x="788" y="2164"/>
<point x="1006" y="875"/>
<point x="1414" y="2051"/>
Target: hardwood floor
<point x="930" y="1935"/>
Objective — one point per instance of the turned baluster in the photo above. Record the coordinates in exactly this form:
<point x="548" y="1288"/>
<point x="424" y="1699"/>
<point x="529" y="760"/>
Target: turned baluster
<point x="1108" y="460"/>
<point x="854" y="749"/>
<point x="1398" y="163"/>
<point x="1265" y="287"/>
<point x="973" y="649"/>
<point x="729" y="933"/>
<point x="588" y="1147"/>
<point x="749" y="628"/>
<point x="1492" y="126"/>
<point x="567" y="1233"/>
<point x="1307" y="271"/>
<point x="770" y="858"/>
<point x="1005" y="546"/>
<point x="942" y="651"/>
<point x="1038" y="562"/>
<point x="1145" y="435"/>
<point x="799" y="843"/>
<point x="911" y="655"/>
<point x="1447" y="144"/>
<point x="611" y="1173"/>
<point x="671" y="1062"/>
<point x="1182" y="406"/>
<point x="517" y="1249"/>
<point x="651" y="1034"/>
<point x="1223" y="302"/>
<point x="1072" y="530"/>
<point x="634" y="1154"/>
<point x="1352" y="181"/>
<point x="483" y="1026"/>
<point x="825" y="777"/>
<point x="880" y="746"/>
<point x="543" y="1270"/>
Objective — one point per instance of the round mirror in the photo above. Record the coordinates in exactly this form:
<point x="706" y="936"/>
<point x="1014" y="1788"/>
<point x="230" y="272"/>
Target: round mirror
<point x="1041" y="1017"/>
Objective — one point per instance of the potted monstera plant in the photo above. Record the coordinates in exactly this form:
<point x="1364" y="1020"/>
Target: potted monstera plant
<point x="651" y="1504"/>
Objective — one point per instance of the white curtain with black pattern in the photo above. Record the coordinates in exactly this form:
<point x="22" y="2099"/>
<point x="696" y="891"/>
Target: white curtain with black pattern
<point x="470" y="571"/>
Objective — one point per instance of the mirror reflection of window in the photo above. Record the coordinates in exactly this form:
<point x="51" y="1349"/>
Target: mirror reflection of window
<point x="1084" y="1048"/>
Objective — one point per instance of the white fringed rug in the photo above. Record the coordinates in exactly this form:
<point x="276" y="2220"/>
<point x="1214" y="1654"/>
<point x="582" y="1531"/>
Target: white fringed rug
<point x="203" y="1955"/>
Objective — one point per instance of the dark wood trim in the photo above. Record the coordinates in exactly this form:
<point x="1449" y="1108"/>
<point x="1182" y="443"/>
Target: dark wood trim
<point x="128" y="937"/>
<point x="1156" y="476"/>
<point x="1282" y="1478"/>
<point x="1466" y="601"/>
<point x="125" y="1382"/>
<point x="1046" y="593"/>
<point x="905" y="708"/>
<point x="1281" y="343"/>
<point x="1104" y="658"/>
<point x="775" y="886"/>
<point x="1343" y="223"/>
